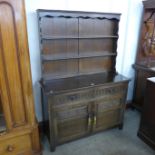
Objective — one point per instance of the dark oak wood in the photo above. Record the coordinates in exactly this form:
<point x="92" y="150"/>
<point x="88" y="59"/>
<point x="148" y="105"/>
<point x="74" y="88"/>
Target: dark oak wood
<point x="83" y="108"/>
<point x="77" y="43"/>
<point x="149" y="4"/>
<point x="142" y="73"/>
<point x="21" y="135"/>
<point x="147" y="125"/>
<point x="145" y="60"/>
<point x="81" y="92"/>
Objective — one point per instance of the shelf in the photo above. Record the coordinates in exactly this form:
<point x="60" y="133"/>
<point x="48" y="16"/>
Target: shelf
<point x="80" y="37"/>
<point x="73" y="48"/>
<point x="48" y="77"/>
<point x="51" y="58"/>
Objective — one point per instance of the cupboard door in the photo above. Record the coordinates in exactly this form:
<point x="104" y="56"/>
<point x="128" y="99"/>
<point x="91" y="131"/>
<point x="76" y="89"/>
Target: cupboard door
<point x="107" y="112"/>
<point x="70" y="121"/>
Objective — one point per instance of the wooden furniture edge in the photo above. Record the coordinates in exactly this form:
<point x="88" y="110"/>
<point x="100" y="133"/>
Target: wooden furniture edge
<point x="149" y="4"/>
<point x="146" y="139"/>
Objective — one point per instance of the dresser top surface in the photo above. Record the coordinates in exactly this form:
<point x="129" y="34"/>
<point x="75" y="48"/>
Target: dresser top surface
<point x="81" y="82"/>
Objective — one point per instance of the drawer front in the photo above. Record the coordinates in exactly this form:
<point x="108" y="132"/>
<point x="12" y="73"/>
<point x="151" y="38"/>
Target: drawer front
<point x="109" y="91"/>
<point x="16" y="146"/>
<point x="76" y="96"/>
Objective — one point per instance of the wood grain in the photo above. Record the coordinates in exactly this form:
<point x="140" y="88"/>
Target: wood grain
<point x="147" y="128"/>
<point x="21" y="135"/>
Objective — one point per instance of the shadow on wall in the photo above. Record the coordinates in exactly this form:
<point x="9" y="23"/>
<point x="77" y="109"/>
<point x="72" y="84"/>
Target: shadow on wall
<point x="34" y="51"/>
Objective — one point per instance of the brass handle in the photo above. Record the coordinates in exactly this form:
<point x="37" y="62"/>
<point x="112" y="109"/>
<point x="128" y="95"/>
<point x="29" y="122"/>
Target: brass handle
<point x="94" y="121"/>
<point x="89" y="121"/>
<point x="10" y="148"/>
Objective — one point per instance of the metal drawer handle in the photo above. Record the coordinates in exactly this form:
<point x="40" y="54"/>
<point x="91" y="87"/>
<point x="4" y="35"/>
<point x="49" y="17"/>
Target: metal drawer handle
<point x="10" y="148"/>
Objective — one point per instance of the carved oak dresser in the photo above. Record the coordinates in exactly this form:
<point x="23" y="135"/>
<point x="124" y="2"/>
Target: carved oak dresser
<point x="81" y="91"/>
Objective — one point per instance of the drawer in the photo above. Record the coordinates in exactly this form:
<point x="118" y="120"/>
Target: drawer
<point x="76" y="96"/>
<point x="111" y="90"/>
<point x="15" y="146"/>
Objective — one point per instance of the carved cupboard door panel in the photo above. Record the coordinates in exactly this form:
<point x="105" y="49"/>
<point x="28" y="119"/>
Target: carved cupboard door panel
<point x="108" y="107"/>
<point x="70" y="121"/>
<point x="105" y="115"/>
<point x="15" y="77"/>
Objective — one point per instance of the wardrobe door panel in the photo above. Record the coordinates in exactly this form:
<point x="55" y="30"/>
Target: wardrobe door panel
<point x="15" y="77"/>
<point x="9" y="54"/>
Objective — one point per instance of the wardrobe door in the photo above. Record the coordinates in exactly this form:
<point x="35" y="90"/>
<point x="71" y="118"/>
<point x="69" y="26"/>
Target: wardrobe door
<point x="15" y="77"/>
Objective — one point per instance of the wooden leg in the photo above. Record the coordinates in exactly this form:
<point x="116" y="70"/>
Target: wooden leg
<point x="36" y="146"/>
<point x="52" y="148"/>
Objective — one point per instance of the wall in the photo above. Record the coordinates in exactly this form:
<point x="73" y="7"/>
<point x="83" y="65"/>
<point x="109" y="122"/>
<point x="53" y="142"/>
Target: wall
<point x="131" y="42"/>
<point x="128" y="33"/>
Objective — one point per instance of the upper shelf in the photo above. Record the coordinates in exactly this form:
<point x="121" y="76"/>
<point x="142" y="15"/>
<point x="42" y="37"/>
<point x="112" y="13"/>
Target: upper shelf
<point x="80" y="37"/>
<point x="54" y="58"/>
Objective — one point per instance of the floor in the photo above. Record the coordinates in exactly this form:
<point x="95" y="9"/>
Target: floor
<point x="110" y="142"/>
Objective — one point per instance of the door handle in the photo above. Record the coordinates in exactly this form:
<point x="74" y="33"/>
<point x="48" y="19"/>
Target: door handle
<point x="89" y="122"/>
<point x="94" y="122"/>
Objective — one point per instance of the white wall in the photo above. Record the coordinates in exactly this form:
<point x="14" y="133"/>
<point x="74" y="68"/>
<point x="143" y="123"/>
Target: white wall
<point x="128" y="33"/>
<point x="131" y="41"/>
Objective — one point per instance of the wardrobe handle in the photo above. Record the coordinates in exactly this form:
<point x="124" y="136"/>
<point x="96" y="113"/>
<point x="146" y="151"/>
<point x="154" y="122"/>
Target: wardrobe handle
<point x="10" y="148"/>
